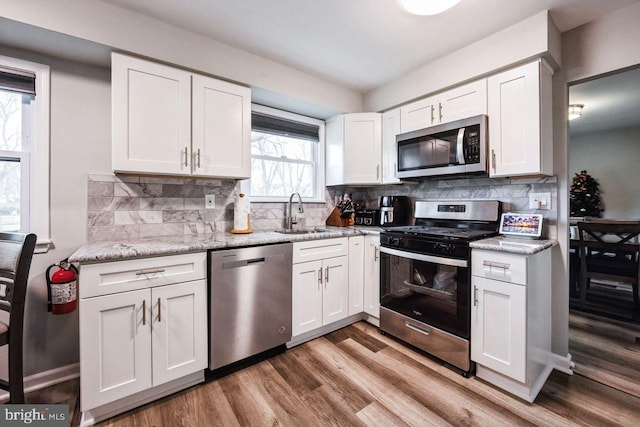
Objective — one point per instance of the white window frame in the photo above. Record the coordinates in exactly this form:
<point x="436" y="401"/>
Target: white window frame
<point x="37" y="147"/>
<point x="245" y="186"/>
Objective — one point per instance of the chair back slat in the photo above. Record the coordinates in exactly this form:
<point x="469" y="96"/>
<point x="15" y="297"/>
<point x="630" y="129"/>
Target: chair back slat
<point x="16" y="252"/>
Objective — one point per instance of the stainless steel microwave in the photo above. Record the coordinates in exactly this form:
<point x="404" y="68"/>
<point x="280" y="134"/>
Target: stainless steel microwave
<point x="458" y="147"/>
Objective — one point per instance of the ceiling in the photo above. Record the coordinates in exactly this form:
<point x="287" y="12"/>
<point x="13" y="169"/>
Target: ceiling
<point x="610" y="102"/>
<point x="359" y="44"/>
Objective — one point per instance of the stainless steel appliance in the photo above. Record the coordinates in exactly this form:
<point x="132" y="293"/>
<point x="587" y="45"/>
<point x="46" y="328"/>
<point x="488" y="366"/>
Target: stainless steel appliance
<point x="425" y="276"/>
<point x="249" y="301"/>
<point x="367" y="217"/>
<point x="458" y="147"/>
<point x="395" y="211"/>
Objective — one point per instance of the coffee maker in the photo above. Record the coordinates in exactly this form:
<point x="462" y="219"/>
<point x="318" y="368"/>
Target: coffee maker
<point x="395" y="211"/>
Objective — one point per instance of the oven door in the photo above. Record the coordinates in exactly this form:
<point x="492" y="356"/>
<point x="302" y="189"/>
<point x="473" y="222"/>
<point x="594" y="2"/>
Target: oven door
<point x="431" y="289"/>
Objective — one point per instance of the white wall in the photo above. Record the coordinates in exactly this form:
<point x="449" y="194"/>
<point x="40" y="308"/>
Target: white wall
<point x="124" y="30"/>
<point x="80" y="144"/>
<point x="530" y="38"/>
<point x="612" y="158"/>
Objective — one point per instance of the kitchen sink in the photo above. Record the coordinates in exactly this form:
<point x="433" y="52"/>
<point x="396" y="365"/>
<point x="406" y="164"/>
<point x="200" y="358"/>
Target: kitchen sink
<point x="302" y="231"/>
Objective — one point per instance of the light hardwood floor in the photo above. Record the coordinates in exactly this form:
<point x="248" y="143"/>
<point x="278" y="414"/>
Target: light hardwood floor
<point x="357" y="377"/>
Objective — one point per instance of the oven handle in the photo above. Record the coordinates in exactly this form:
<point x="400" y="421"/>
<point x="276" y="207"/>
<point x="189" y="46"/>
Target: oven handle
<point x="426" y="258"/>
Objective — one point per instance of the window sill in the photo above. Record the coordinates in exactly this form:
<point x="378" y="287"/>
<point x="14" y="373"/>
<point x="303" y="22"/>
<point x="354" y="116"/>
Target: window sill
<point x="42" y="246"/>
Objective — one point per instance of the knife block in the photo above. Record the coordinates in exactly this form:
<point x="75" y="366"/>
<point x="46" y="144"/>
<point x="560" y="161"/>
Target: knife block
<point x="335" y="220"/>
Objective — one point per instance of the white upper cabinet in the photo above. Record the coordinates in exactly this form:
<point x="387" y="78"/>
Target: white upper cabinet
<point x="459" y="103"/>
<point x="221" y="128"/>
<point x="172" y="122"/>
<point x="520" y="121"/>
<point x="390" y="129"/>
<point x="354" y="149"/>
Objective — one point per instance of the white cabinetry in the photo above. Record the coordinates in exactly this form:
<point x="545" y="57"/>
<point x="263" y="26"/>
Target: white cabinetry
<point x="354" y="149"/>
<point x="142" y="331"/>
<point x="173" y="122"/>
<point x="372" y="275"/>
<point x="520" y="121"/>
<point x="320" y="283"/>
<point x="459" y="103"/>
<point x="511" y="320"/>
<point x="356" y="274"/>
<point x="390" y="129"/>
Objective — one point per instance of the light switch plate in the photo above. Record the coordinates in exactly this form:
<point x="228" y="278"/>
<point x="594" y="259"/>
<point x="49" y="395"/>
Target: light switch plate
<point x="209" y="201"/>
<point x="540" y="201"/>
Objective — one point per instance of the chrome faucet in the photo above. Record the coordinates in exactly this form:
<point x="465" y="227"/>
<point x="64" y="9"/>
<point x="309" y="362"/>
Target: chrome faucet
<point x="290" y="219"/>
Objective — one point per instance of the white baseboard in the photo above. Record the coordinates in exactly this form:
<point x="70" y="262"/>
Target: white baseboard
<point x="562" y="363"/>
<point x="47" y="378"/>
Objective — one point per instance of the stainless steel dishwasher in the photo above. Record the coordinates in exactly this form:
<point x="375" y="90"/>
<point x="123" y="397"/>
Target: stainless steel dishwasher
<point x="249" y="301"/>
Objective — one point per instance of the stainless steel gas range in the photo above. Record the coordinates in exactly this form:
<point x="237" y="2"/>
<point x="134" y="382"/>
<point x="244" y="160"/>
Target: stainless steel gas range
<point x="425" y="276"/>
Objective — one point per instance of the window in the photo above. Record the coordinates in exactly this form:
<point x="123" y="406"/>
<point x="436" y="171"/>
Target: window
<point x="287" y="156"/>
<point x="24" y="148"/>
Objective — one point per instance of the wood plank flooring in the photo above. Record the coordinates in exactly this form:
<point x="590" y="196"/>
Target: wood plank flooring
<point x="358" y="377"/>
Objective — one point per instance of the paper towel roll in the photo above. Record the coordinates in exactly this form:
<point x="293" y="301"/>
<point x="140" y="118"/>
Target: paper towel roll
<point x="242" y="215"/>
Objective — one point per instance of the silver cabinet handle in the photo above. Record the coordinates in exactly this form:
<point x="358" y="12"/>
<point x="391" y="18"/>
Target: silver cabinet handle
<point x="493" y="160"/>
<point x="440" y="110"/>
<point x="198" y="157"/>
<point x="157" y="270"/>
<point x="489" y="265"/>
<point x="378" y="172"/>
<point x="376" y="253"/>
<point x="144" y="312"/>
<point x="433" y="119"/>
<point x="475" y="295"/>
<point x="319" y="277"/>
<point x="186" y="156"/>
<point x="326" y="276"/>
<point x="159" y="311"/>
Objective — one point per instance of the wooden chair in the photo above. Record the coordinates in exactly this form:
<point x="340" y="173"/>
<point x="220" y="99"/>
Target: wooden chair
<point x="16" y="251"/>
<point x="609" y="251"/>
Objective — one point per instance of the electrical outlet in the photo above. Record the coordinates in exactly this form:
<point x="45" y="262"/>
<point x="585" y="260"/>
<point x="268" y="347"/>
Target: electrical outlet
<point x="209" y="201"/>
<point x="540" y="201"/>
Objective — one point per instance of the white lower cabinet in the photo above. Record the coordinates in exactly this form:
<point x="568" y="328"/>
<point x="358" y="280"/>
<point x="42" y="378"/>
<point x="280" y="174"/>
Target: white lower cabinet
<point x="135" y="343"/>
<point x="320" y="284"/>
<point x="511" y="320"/>
<point x="356" y="274"/>
<point x="372" y="275"/>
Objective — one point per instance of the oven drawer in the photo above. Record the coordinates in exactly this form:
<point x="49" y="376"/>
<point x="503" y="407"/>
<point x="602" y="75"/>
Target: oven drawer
<point x="499" y="266"/>
<point x="443" y="345"/>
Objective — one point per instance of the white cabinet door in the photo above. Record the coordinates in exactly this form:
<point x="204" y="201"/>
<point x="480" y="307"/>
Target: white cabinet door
<point x="372" y="276"/>
<point x="519" y="129"/>
<point x="115" y="347"/>
<point x="179" y="342"/>
<point x="390" y="129"/>
<point x="221" y="128"/>
<point x="498" y="327"/>
<point x="307" y="285"/>
<point x="363" y="148"/>
<point x="335" y="298"/>
<point x="356" y="274"/>
<point x="151" y="114"/>
<point x="463" y="102"/>
<point x="418" y="115"/>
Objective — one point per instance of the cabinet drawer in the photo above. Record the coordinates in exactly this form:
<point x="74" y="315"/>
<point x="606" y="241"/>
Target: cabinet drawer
<point x="320" y="249"/>
<point x="121" y="276"/>
<point x="499" y="266"/>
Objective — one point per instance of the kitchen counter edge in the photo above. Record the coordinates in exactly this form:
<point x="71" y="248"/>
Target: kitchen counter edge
<point x="106" y="251"/>
<point x="513" y="245"/>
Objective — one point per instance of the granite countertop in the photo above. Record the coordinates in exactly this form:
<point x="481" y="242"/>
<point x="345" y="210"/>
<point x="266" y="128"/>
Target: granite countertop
<point x="105" y="251"/>
<point x="513" y="245"/>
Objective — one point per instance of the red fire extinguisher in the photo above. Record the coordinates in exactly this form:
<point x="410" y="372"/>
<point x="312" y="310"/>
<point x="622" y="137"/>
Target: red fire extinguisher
<point x="62" y="287"/>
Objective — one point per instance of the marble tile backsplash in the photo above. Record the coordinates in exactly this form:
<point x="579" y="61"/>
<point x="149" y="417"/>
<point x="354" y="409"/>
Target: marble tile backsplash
<point x="130" y="207"/>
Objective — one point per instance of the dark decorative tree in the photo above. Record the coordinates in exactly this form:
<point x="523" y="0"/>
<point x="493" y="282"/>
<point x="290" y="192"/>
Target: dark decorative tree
<point x="584" y="196"/>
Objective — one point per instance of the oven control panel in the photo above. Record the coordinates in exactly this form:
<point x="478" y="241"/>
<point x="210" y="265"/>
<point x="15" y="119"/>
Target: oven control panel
<point x="459" y="250"/>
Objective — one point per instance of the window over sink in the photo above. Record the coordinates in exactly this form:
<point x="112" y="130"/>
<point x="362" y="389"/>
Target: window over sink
<point x="287" y="156"/>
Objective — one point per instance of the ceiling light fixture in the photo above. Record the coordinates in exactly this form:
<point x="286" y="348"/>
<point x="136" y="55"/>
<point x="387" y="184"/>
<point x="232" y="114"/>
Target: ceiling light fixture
<point x="575" y="111"/>
<point x="427" y="7"/>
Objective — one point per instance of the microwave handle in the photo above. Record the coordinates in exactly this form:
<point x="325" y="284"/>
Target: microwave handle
<point x="460" y="147"/>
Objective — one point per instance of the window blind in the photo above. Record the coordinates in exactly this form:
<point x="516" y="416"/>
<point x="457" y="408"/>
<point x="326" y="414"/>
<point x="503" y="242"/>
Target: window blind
<point x="15" y="80"/>
<point x="274" y="125"/>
